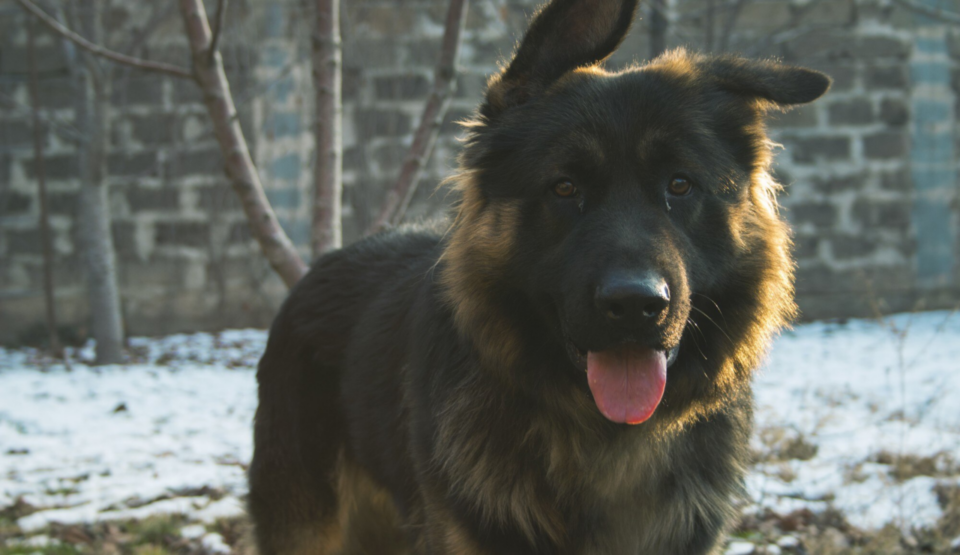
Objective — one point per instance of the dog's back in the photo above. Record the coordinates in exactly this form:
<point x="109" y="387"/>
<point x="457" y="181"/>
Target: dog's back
<point x="295" y="485"/>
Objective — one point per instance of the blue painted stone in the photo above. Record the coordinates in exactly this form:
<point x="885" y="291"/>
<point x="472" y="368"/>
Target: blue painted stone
<point x="283" y="124"/>
<point x="283" y="198"/>
<point x="286" y="167"/>
<point x="297" y="229"/>
<point x="273" y="22"/>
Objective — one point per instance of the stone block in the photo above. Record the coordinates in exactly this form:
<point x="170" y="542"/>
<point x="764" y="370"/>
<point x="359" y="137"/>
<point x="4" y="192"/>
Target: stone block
<point x="894" y="112"/>
<point x="58" y="167"/>
<point x="283" y="124"/>
<point x="382" y="20"/>
<point x="897" y="180"/>
<point x="882" y="47"/>
<point x="381" y="123"/>
<point x="765" y="17"/>
<point x="217" y="199"/>
<point x="835" y="12"/>
<point x="852" y="246"/>
<point x="14" y="203"/>
<point x="240" y="233"/>
<point x="373" y="54"/>
<point x="155" y="129"/>
<point x="206" y="161"/>
<point x="354" y="159"/>
<point x="172" y="53"/>
<point x="953" y="42"/>
<point x="402" y="87"/>
<point x="828" y="44"/>
<point x="478" y="18"/>
<point x="136" y="88"/>
<point x="810" y="150"/>
<point x="63" y="203"/>
<point x="389" y="156"/>
<point x="885" y="145"/>
<point x="424" y="53"/>
<point x="124" y="239"/>
<point x="186" y="234"/>
<point x="141" y="199"/>
<point x="820" y="214"/>
<point x="186" y="92"/>
<point x="16" y="134"/>
<point x="286" y="167"/>
<point x="886" y="77"/>
<point x="57" y="92"/>
<point x="817" y="277"/>
<point x="286" y="198"/>
<point x="886" y="214"/>
<point x="352" y="82"/>
<point x="50" y="56"/>
<point x="23" y="241"/>
<point x="855" y="111"/>
<point x="836" y="183"/>
<point x="140" y="164"/>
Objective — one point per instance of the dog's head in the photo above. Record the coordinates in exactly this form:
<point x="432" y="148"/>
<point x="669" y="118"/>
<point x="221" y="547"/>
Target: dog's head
<point x="629" y="216"/>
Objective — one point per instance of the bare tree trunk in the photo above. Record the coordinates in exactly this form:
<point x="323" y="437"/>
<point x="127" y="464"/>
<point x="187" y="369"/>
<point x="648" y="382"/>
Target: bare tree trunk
<point x="658" y="27"/>
<point x="444" y="84"/>
<point x="209" y="75"/>
<point x="94" y="213"/>
<point x="56" y="349"/>
<point x="327" y="229"/>
<point x="243" y="175"/>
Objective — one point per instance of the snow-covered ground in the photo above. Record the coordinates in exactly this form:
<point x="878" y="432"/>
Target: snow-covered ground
<point x="862" y="417"/>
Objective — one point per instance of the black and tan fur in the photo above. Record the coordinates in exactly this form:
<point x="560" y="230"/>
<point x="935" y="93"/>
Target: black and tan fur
<point x="419" y="393"/>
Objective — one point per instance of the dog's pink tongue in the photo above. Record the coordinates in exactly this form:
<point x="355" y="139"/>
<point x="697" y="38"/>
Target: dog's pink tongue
<point x="627" y="383"/>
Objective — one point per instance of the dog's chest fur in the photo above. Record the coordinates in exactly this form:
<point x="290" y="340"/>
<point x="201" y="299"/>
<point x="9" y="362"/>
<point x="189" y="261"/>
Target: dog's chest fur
<point x="572" y="488"/>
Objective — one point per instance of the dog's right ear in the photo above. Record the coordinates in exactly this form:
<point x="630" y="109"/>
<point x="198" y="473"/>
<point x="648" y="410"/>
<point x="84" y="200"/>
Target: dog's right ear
<point x="564" y="35"/>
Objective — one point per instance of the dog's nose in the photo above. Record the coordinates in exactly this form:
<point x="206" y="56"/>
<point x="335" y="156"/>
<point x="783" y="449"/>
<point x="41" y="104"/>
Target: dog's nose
<point x="632" y="298"/>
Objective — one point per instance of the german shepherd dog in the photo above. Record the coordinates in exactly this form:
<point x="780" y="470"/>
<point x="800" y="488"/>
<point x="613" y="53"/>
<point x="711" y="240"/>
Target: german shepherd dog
<point x="565" y="367"/>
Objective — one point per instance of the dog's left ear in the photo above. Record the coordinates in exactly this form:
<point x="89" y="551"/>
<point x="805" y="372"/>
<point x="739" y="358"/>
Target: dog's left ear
<point x="564" y="35"/>
<point x="780" y="84"/>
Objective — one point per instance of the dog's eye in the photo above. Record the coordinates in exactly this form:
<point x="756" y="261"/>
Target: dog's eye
<point x="679" y="186"/>
<point x="564" y="189"/>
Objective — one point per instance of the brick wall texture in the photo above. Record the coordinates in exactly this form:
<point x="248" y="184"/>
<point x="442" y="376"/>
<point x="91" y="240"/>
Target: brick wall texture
<point x="870" y="171"/>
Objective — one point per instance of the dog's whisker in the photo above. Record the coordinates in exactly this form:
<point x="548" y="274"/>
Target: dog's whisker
<point x="714" y="322"/>
<point x="695" y="326"/>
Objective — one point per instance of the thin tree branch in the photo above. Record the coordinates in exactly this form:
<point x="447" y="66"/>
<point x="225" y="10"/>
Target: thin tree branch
<point x="46" y="247"/>
<point x="217" y="29"/>
<point x="398" y="198"/>
<point x="327" y="59"/>
<point x="935" y="13"/>
<point x="274" y="243"/>
<point x="146" y="65"/>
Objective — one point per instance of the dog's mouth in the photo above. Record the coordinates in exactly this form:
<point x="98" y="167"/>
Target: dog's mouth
<point x="627" y="381"/>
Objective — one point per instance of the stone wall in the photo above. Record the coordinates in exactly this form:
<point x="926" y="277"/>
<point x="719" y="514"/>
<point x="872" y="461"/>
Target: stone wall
<point x="870" y="171"/>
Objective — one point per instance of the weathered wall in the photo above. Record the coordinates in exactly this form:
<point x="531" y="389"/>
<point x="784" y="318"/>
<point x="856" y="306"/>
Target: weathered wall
<point x="870" y="171"/>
